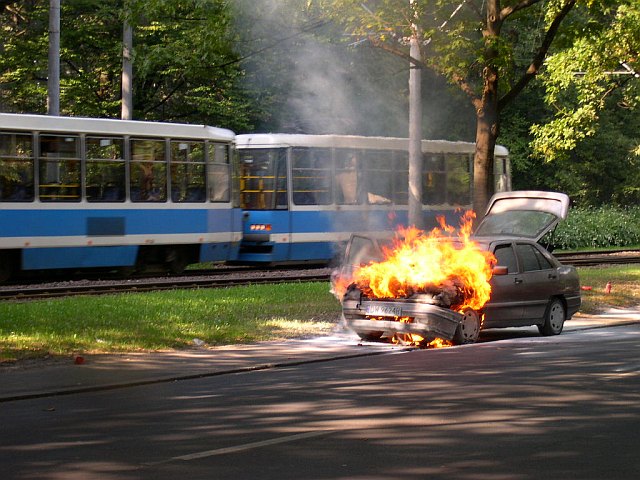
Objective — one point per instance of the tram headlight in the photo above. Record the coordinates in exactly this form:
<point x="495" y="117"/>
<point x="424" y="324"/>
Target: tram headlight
<point x="260" y="227"/>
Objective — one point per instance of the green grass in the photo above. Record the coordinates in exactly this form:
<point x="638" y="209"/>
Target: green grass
<point x="625" y="287"/>
<point x="165" y="320"/>
<point x="172" y="320"/>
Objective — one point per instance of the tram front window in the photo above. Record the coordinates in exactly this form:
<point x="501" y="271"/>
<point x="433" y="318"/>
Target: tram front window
<point x="263" y="182"/>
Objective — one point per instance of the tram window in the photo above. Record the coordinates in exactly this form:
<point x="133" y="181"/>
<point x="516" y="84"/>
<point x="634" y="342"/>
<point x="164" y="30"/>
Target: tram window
<point x="59" y="175"/>
<point x="458" y="180"/>
<point x="263" y="179"/>
<point x="148" y="175"/>
<point x="218" y="183"/>
<point x="16" y="167"/>
<point x="219" y="172"/>
<point x="105" y="169"/>
<point x="346" y="177"/>
<point x="378" y="167"/>
<point x="311" y="170"/>
<point x="219" y="153"/>
<point x="187" y="171"/>
<point x="434" y="180"/>
<point x="401" y="177"/>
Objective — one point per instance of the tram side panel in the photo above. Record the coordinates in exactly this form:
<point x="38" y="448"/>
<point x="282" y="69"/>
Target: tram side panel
<point x="85" y="238"/>
<point x="304" y="195"/>
<point x="83" y="192"/>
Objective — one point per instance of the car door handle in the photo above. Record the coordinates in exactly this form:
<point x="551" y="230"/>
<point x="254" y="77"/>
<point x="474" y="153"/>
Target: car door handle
<point x="517" y="280"/>
<point x="553" y="276"/>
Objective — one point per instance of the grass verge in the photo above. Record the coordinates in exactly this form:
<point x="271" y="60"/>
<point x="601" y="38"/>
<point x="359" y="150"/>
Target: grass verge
<point x="625" y="287"/>
<point x="173" y="320"/>
<point x="165" y="320"/>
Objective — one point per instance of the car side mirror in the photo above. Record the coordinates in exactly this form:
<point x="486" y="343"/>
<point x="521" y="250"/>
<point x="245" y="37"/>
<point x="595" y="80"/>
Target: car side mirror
<point x="500" y="270"/>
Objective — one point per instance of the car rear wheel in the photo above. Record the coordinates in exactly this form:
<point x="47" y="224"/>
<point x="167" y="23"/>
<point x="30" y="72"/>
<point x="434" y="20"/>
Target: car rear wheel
<point x="554" y="318"/>
<point x="468" y="329"/>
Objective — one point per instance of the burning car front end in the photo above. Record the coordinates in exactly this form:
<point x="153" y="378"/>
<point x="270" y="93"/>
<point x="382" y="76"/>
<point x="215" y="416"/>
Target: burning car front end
<point x="420" y="286"/>
<point x="417" y="315"/>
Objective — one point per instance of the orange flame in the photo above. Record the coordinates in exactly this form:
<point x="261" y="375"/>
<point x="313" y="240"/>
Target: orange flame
<point x="435" y="262"/>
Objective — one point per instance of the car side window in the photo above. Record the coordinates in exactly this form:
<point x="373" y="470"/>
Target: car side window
<point x="506" y="257"/>
<point x="542" y="260"/>
<point x="531" y="258"/>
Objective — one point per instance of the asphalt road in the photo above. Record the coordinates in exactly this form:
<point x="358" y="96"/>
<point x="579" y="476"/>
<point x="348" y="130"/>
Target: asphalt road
<point x="513" y="408"/>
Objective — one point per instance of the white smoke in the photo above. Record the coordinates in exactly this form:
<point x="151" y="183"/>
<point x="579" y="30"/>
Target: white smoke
<point x="329" y="86"/>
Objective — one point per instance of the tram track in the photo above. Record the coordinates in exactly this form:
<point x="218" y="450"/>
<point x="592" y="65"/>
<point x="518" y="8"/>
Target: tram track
<point x="221" y="277"/>
<point x="142" y="285"/>
<point x="593" y="258"/>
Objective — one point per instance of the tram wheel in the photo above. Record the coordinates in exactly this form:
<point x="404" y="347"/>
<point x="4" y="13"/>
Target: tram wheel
<point x="7" y="266"/>
<point x="177" y="260"/>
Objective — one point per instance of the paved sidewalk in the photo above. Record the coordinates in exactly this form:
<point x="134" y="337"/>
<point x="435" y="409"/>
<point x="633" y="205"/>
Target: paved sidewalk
<point x="96" y="372"/>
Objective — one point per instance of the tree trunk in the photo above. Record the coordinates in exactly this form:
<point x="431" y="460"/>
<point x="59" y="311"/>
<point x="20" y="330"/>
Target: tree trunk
<point x="487" y="115"/>
<point x="486" y="134"/>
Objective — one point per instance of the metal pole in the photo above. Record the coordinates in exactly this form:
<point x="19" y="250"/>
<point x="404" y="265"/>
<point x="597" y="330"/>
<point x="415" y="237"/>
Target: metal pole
<point x="53" y="82"/>
<point x="127" y="72"/>
<point x="415" y="130"/>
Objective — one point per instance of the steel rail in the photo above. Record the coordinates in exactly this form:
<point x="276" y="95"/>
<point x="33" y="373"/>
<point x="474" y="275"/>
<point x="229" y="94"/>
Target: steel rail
<point x="238" y="276"/>
<point x="35" y="292"/>
<point x="599" y="258"/>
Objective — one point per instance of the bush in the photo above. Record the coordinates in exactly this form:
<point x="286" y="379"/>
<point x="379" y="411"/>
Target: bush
<point x="598" y="227"/>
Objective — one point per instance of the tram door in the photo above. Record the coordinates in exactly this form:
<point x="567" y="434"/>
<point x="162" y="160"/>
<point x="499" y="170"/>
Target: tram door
<point x="312" y="209"/>
<point x="264" y="201"/>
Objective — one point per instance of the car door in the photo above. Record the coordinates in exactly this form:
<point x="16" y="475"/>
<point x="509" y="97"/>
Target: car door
<point x="505" y="306"/>
<point x="539" y="280"/>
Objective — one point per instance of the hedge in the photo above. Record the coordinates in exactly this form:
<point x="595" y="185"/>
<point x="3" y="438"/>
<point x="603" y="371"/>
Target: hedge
<point x="598" y="228"/>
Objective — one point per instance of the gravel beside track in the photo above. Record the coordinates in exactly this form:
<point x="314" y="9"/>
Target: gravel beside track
<point x="587" y="259"/>
<point x="224" y="276"/>
<point x="195" y="279"/>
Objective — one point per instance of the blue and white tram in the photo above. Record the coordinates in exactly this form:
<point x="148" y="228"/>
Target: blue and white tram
<point x="84" y="192"/>
<point x="302" y="195"/>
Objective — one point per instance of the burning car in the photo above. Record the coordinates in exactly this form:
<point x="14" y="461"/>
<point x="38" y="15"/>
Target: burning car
<point x="445" y="286"/>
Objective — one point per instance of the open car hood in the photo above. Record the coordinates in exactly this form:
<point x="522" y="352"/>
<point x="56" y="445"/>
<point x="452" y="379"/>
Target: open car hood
<point x="528" y="214"/>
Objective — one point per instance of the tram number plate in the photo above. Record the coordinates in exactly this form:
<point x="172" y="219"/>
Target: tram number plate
<point x="383" y="311"/>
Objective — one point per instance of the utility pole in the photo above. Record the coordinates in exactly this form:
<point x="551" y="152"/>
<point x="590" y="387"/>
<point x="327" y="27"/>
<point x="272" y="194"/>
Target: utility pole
<point x="127" y="71"/>
<point x="415" y="126"/>
<point x="53" y="82"/>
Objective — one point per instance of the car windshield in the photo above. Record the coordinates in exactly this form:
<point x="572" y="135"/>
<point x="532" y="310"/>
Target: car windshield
<point x="363" y="250"/>
<point x="517" y="223"/>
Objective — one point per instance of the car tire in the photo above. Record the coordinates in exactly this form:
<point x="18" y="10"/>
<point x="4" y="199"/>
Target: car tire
<point x="554" y="318"/>
<point x="468" y="330"/>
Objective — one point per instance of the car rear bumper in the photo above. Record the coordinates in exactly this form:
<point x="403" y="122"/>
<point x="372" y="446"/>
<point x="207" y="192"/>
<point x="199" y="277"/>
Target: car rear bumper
<point x="573" y="304"/>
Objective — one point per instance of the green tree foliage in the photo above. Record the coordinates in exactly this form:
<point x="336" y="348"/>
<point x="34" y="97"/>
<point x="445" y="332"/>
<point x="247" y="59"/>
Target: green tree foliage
<point x="185" y="68"/>
<point x="593" y="89"/>
<point x="472" y="44"/>
<point x="603" y="62"/>
<point x="586" y="134"/>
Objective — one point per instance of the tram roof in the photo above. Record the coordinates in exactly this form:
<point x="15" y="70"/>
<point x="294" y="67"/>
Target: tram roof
<point x="281" y="140"/>
<point x="56" y="124"/>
